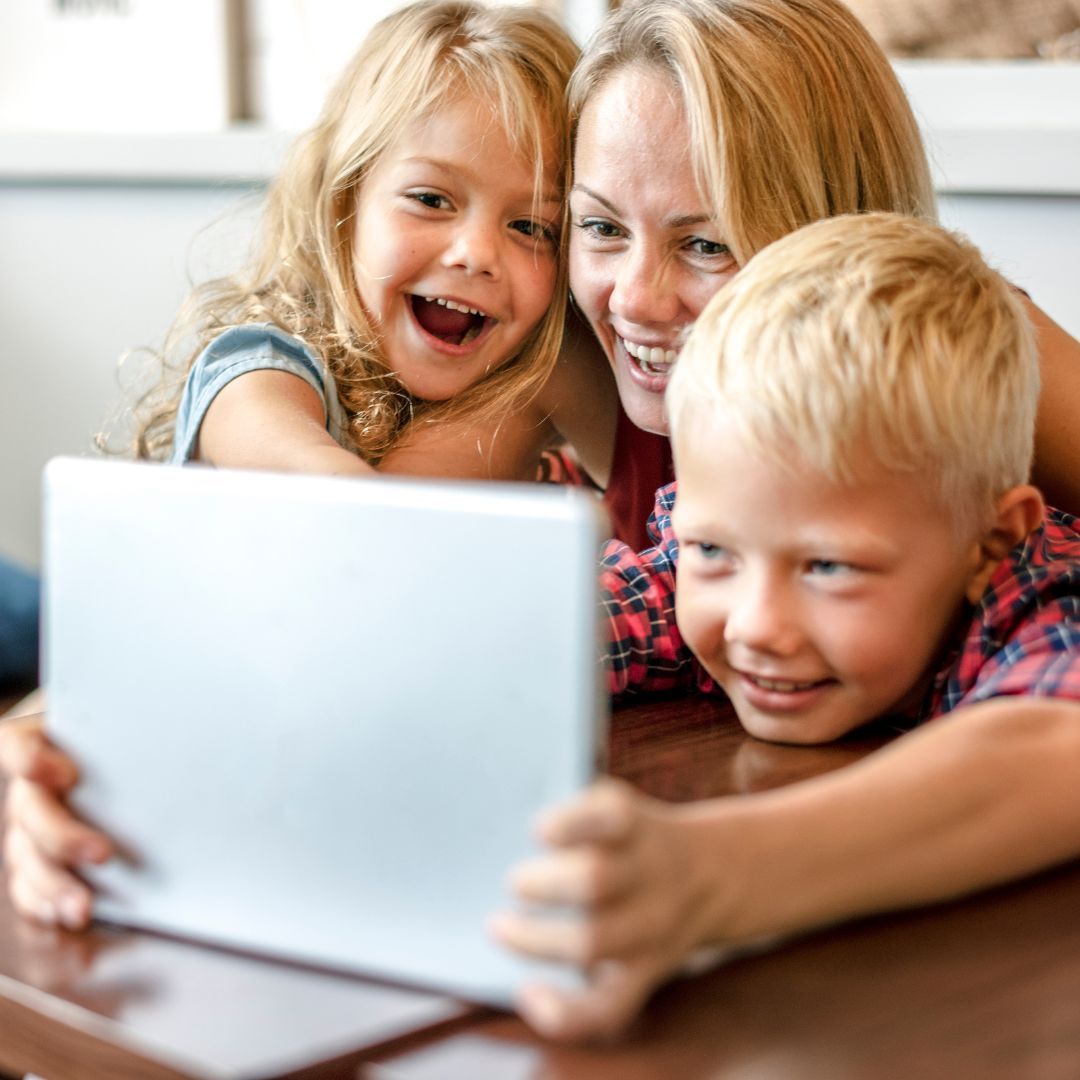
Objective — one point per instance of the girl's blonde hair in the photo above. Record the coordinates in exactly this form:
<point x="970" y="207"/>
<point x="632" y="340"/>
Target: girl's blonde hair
<point x="795" y="113"/>
<point x="516" y="59"/>
<point x="870" y="339"/>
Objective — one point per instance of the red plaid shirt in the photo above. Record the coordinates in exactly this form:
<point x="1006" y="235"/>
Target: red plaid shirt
<point x="1023" y="637"/>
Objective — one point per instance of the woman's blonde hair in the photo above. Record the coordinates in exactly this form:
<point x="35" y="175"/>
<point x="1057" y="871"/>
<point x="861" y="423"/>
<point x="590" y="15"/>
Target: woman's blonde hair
<point x="795" y="113"/>
<point x="870" y="339"/>
<point x="518" y="60"/>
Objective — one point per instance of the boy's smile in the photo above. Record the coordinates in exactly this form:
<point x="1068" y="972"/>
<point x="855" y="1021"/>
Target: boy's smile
<point x="816" y="607"/>
<point x="452" y="262"/>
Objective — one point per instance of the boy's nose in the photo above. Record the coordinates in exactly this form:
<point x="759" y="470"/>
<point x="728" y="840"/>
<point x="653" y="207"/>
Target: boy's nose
<point x="474" y="249"/>
<point x="643" y="292"/>
<point x="761" y="619"/>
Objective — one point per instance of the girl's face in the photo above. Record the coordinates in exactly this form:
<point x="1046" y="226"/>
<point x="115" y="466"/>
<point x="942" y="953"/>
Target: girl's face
<point x="452" y="263"/>
<point x="646" y="255"/>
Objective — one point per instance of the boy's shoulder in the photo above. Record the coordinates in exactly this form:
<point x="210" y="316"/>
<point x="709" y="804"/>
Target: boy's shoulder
<point x="1024" y="636"/>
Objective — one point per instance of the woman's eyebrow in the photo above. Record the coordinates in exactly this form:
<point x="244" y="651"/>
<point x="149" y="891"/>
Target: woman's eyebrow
<point x="682" y="221"/>
<point x="610" y="207"/>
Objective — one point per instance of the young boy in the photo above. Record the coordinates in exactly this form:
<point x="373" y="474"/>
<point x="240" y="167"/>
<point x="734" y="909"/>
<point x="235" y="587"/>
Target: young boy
<point x="852" y="421"/>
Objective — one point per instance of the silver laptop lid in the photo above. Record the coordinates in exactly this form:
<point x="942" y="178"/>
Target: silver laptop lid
<point x="321" y="714"/>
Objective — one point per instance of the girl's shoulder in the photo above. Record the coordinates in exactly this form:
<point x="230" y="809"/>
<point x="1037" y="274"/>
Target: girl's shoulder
<point x="240" y="350"/>
<point x="259" y="339"/>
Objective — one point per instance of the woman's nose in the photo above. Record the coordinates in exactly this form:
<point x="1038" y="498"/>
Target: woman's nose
<point x="644" y="292"/>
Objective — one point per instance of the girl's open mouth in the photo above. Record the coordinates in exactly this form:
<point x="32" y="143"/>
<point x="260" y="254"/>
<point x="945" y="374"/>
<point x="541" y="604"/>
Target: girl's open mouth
<point x="449" y="321"/>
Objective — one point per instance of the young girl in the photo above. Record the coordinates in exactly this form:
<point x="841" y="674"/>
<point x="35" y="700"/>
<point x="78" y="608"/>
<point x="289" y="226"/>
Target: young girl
<point x="403" y="314"/>
<point x="409" y="284"/>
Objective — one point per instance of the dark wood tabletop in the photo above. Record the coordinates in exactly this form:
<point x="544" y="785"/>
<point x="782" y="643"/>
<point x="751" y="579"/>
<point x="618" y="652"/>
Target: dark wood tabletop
<point x="988" y="987"/>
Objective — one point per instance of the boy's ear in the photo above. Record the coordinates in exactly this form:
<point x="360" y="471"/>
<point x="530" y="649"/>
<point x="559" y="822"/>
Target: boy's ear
<point x="1018" y="513"/>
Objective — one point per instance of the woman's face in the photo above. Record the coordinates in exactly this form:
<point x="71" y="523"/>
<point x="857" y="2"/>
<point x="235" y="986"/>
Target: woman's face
<point x="646" y="255"/>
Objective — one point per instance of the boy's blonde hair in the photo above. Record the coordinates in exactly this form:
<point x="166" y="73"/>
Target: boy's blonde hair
<point x="517" y="59"/>
<point x="795" y="113"/>
<point x="870" y="339"/>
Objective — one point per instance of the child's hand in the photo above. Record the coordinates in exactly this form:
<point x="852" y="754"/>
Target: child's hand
<point x="43" y="840"/>
<point x="632" y="865"/>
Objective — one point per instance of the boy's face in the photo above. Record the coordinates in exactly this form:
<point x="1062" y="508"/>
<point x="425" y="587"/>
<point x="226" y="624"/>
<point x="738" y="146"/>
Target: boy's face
<point x="452" y="262"/>
<point x="816" y="607"/>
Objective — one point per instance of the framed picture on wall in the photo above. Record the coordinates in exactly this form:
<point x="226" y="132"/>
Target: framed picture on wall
<point x="119" y="65"/>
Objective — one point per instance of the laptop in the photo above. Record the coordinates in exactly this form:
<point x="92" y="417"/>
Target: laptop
<point x="319" y="714"/>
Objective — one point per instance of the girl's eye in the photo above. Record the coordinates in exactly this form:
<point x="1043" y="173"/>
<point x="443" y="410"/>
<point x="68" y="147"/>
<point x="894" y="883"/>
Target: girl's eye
<point x="598" y="228"/>
<point x="535" y="229"/>
<point x="430" y="199"/>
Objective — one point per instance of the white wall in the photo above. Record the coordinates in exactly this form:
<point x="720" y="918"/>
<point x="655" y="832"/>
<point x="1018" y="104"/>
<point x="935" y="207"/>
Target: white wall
<point x="101" y="236"/>
<point x="87" y="271"/>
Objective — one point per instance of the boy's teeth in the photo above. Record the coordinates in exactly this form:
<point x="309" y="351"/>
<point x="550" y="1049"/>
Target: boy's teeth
<point x="783" y="685"/>
<point x="453" y="305"/>
<point x="471" y="334"/>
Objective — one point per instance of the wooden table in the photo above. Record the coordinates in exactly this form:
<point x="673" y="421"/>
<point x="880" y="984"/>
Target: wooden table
<point x="985" y="988"/>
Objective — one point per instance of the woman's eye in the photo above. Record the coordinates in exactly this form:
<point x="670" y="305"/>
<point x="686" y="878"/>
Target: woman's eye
<point x="431" y="199"/>
<point x="599" y="229"/>
<point x="709" y="248"/>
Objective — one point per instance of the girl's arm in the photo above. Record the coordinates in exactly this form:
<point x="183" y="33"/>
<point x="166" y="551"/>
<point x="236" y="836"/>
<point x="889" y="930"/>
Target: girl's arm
<point x="1057" y="450"/>
<point x="983" y="796"/>
<point x="506" y="448"/>
<point x="272" y="420"/>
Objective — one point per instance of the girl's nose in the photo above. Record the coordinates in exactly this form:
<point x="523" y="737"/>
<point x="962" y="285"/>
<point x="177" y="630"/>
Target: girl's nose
<point x="644" y="293"/>
<point x="474" y="248"/>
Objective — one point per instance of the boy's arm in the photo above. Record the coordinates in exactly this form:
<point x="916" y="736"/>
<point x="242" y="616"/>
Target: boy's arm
<point x="982" y="796"/>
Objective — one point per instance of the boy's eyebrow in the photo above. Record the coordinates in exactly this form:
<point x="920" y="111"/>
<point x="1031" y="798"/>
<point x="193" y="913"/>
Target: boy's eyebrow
<point x="682" y="221"/>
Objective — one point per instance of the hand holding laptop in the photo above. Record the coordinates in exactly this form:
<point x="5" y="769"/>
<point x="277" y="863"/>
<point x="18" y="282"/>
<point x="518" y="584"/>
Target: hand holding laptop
<point x="44" y="842"/>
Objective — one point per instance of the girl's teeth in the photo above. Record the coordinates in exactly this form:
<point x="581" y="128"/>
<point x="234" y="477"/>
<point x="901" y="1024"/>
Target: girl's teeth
<point x="453" y="305"/>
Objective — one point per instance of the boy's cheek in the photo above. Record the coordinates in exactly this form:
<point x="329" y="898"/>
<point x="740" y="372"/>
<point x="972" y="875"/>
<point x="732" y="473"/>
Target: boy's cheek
<point x="702" y="629"/>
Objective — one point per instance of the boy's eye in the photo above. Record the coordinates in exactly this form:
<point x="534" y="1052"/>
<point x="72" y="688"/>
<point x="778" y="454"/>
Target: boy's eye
<point x="711" y="552"/>
<point x="431" y="199"/>
<point x="598" y="228"/>
<point x="829" y="567"/>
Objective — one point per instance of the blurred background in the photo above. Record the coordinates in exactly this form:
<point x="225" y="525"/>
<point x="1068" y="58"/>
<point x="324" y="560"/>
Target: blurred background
<point x="137" y="138"/>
